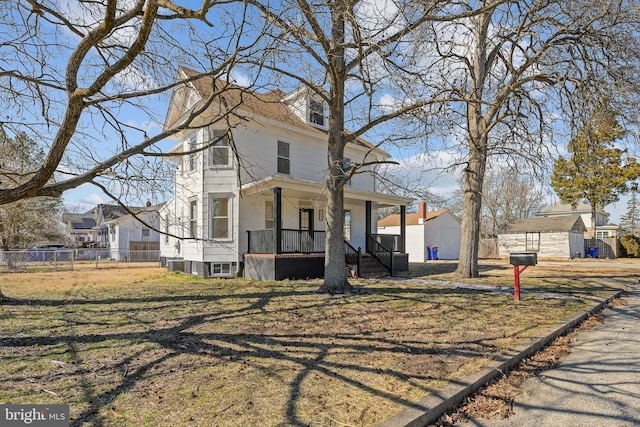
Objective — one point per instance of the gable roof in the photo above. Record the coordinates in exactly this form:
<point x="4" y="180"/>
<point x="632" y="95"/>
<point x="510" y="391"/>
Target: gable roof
<point x="393" y="220"/>
<point x="78" y="221"/>
<point x="244" y="101"/>
<point x="564" y="223"/>
<point x="566" y="209"/>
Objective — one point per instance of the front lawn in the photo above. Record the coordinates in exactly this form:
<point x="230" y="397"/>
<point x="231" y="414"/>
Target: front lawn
<point x="151" y="348"/>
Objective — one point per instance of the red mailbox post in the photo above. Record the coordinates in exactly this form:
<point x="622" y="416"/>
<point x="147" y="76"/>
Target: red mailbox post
<point x="520" y="262"/>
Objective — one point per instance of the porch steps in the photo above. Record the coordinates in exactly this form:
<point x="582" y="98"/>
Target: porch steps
<point x="371" y="267"/>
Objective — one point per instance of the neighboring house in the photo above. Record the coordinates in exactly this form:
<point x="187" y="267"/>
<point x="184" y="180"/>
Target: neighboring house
<point x="113" y="228"/>
<point x="134" y="238"/>
<point x="259" y="209"/>
<point x="439" y="229"/>
<point x="80" y="229"/>
<point x="609" y="231"/>
<point x="582" y="209"/>
<point x="556" y="237"/>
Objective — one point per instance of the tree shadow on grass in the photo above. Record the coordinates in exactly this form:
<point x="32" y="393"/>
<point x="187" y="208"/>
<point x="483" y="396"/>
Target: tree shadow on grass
<point x="198" y="335"/>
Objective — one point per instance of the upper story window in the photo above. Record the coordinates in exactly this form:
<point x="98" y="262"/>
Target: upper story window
<point x="193" y="158"/>
<point x="346" y="165"/>
<point x="166" y="229"/>
<point x="219" y="148"/>
<point x="316" y="113"/>
<point x="284" y="161"/>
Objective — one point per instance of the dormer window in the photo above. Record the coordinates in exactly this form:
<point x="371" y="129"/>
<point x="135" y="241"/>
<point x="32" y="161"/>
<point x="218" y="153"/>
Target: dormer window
<point x="316" y="113"/>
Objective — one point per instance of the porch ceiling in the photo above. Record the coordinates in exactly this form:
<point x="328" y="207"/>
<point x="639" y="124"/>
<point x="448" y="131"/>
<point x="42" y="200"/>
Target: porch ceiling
<point x="305" y="189"/>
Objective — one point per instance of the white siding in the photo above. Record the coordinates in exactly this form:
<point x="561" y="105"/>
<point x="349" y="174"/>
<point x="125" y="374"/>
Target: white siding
<point x="415" y="240"/>
<point x="256" y="144"/>
<point x="552" y="245"/>
<point x="444" y="232"/>
<point x="308" y="153"/>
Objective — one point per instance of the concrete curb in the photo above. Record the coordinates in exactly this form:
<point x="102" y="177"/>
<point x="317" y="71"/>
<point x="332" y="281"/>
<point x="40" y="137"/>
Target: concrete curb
<point x="432" y="407"/>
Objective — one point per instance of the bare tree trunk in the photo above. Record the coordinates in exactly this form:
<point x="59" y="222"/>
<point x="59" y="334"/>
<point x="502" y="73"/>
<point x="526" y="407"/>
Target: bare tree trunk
<point x="471" y="215"/>
<point x="335" y="270"/>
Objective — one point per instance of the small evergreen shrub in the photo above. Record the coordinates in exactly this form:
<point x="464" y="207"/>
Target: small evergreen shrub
<point x="631" y="245"/>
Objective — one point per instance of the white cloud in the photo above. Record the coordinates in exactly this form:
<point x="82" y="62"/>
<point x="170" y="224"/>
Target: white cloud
<point x="427" y="171"/>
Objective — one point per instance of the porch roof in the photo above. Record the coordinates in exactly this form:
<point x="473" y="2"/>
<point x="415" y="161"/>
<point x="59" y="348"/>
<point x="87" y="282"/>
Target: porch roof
<point x="316" y="190"/>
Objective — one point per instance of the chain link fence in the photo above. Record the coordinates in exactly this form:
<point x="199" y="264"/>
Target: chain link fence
<point x="64" y="259"/>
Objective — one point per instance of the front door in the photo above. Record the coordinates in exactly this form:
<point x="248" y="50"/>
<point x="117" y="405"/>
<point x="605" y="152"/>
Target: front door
<point x="306" y="230"/>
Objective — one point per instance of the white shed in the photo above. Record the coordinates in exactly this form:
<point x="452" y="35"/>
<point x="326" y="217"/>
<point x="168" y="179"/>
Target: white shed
<point x="439" y="229"/>
<point x="555" y="237"/>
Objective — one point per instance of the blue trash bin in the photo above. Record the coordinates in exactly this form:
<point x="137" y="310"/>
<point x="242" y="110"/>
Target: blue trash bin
<point x="433" y="252"/>
<point x="593" y="251"/>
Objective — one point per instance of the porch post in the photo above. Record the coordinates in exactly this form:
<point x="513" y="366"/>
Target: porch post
<point x="403" y="229"/>
<point x="277" y="219"/>
<point x="367" y="226"/>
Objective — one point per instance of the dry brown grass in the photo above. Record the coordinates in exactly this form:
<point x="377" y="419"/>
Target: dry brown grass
<point x="145" y="347"/>
<point x="496" y="399"/>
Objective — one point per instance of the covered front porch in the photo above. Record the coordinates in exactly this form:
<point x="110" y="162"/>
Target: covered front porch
<point x="296" y="251"/>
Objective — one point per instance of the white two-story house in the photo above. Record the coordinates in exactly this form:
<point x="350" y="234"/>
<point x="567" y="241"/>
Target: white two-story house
<point x="249" y="186"/>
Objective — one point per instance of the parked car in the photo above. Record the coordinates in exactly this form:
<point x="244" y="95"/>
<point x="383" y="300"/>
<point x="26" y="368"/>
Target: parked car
<point x="48" y="252"/>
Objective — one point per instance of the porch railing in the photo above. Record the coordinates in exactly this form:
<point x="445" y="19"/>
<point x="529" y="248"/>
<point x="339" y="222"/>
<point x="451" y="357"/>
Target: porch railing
<point x="292" y="241"/>
<point x="353" y="256"/>
<point x="380" y="252"/>
<point x="389" y="241"/>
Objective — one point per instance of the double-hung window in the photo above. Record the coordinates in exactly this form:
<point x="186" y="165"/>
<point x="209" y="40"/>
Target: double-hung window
<point x="346" y="165"/>
<point x="219" y="217"/>
<point x="268" y="215"/>
<point x="193" y="157"/>
<point x="219" y="148"/>
<point x="284" y="161"/>
<point x="316" y="112"/>
<point x="347" y="225"/>
<point x="193" y="218"/>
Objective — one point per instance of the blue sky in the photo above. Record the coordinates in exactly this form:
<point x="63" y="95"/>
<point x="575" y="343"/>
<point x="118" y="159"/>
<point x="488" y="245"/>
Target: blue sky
<point x="87" y="195"/>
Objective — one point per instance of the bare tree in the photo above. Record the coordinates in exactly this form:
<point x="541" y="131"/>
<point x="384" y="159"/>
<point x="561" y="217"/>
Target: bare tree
<point x="509" y="71"/>
<point x="509" y="194"/>
<point x="344" y="51"/>
<point x="87" y="78"/>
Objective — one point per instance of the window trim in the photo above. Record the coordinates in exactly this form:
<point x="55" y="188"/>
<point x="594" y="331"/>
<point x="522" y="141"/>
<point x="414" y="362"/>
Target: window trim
<point x="192" y="159"/>
<point x="230" y="265"/>
<point x="269" y="215"/>
<point x="288" y="158"/>
<point x="533" y="244"/>
<point x="347" y="226"/>
<point x="313" y="113"/>
<point x="229" y="216"/>
<point x="223" y="137"/>
<point x="193" y="218"/>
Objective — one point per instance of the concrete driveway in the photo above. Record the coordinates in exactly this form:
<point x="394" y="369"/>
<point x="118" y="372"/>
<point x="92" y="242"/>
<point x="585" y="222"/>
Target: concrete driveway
<point x="597" y="384"/>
